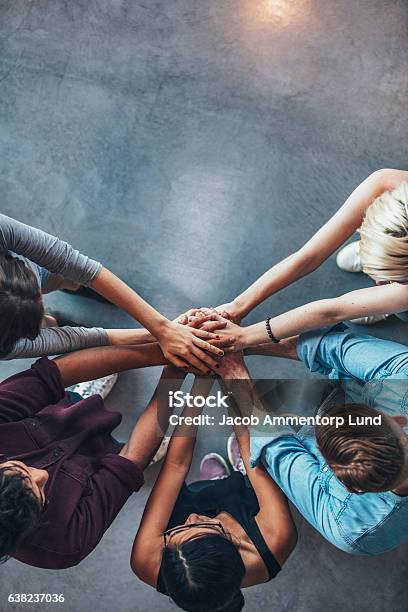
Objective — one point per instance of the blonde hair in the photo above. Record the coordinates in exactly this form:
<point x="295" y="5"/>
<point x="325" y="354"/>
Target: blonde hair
<point x="384" y="236"/>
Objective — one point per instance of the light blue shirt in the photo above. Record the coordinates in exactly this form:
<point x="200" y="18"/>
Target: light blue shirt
<point x="367" y="523"/>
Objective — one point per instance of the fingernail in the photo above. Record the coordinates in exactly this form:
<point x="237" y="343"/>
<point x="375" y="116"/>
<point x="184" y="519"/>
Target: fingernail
<point x="208" y="371"/>
<point x="221" y="352"/>
<point x="218" y="365"/>
<point x="217" y="337"/>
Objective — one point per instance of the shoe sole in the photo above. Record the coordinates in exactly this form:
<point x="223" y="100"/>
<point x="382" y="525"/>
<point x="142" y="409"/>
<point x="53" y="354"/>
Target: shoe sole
<point x="219" y="458"/>
<point x="229" y="449"/>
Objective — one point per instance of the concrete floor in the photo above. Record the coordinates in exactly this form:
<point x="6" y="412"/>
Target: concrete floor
<point x="189" y="145"/>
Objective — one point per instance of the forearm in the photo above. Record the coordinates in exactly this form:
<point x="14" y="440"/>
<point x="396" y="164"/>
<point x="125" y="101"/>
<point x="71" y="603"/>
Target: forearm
<point x="281" y="275"/>
<point x="129" y="337"/>
<point x="286" y="348"/>
<point x="151" y="426"/>
<point x="101" y="361"/>
<point x="125" y="298"/>
<point x="376" y="300"/>
<point x="242" y="401"/>
<point x="181" y="447"/>
<point x="292" y="323"/>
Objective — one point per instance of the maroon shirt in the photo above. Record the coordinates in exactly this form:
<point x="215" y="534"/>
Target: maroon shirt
<point x="88" y="481"/>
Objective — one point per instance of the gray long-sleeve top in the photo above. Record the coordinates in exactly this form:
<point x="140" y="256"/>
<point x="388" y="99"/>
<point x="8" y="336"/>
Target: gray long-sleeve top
<point x="38" y="248"/>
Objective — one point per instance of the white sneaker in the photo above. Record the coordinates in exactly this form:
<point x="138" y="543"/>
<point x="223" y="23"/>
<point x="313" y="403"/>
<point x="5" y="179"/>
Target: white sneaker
<point x="370" y="320"/>
<point x="234" y="455"/>
<point x="161" y="451"/>
<point x="348" y="258"/>
<point x="100" y="386"/>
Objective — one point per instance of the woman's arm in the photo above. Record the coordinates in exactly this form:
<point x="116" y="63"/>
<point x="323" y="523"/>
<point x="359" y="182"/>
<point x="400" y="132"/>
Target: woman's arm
<point x="93" y="363"/>
<point x="181" y="345"/>
<point x="148" y="543"/>
<point x="383" y="299"/>
<point x="274" y="517"/>
<point x="324" y="242"/>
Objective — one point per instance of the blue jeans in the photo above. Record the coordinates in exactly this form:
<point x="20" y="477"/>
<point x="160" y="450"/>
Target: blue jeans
<point x="353" y="358"/>
<point x="367" y="523"/>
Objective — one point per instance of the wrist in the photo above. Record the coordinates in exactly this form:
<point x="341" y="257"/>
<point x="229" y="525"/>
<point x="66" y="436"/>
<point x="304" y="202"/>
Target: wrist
<point x="240" y="307"/>
<point x="235" y="371"/>
<point x="242" y="339"/>
<point x="162" y="328"/>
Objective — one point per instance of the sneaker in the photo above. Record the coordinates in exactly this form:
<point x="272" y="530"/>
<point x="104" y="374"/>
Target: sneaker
<point x="161" y="451"/>
<point x="348" y="258"/>
<point x="234" y="455"/>
<point x="370" y="320"/>
<point x="214" y="467"/>
<point x="100" y="386"/>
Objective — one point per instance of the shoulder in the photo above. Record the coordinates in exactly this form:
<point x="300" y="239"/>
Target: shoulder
<point x="389" y="178"/>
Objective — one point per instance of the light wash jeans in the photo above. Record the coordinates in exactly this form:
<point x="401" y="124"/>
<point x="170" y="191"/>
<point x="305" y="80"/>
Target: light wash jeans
<point x="368" y="523"/>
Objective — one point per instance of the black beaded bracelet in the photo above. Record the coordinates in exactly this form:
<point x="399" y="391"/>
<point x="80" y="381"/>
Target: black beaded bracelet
<point x="270" y="332"/>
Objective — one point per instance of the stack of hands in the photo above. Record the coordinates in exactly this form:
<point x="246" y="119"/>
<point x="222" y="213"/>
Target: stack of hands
<point x="218" y="330"/>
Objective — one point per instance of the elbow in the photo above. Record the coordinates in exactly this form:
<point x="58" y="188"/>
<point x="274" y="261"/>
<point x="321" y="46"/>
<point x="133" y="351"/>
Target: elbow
<point x="330" y="312"/>
<point x="138" y="566"/>
<point x="135" y="567"/>
<point x="388" y="178"/>
<point x="306" y="261"/>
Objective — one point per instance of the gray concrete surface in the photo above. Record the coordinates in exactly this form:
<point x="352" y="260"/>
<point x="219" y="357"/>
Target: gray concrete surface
<point x="189" y="145"/>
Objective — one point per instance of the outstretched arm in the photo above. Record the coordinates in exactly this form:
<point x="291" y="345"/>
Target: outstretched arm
<point x="181" y="344"/>
<point x="324" y="242"/>
<point x="381" y="299"/>
<point x="97" y="362"/>
<point x="151" y="426"/>
<point x="274" y="517"/>
<point x="148" y="544"/>
<point x="101" y="361"/>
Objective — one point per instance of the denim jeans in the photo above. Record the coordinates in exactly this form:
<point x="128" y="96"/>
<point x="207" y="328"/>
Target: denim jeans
<point x="368" y="523"/>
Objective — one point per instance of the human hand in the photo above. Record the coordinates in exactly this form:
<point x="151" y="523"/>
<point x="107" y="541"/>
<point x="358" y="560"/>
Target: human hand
<point x="184" y="345"/>
<point x="229" y="329"/>
<point x="231" y="311"/>
<point x="184" y="318"/>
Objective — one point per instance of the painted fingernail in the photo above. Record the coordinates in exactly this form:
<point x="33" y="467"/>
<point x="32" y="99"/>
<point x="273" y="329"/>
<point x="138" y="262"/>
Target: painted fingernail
<point x="218" y="337"/>
<point x="217" y="365"/>
<point x="221" y="352"/>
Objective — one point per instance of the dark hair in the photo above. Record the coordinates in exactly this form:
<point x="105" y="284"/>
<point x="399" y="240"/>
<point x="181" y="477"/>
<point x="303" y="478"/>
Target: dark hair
<point x="21" y="307"/>
<point x="366" y="457"/>
<point x="19" y="512"/>
<point x="204" y="574"/>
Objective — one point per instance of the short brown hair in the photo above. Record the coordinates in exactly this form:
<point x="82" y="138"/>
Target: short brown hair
<point x="363" y="457"/>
